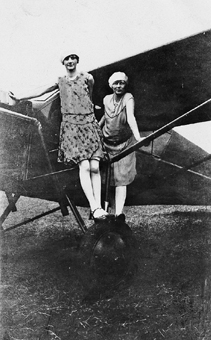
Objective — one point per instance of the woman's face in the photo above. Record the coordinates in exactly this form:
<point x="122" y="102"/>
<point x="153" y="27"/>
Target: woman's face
<point x="119" y="87"/>
<point x="70" y="62"/>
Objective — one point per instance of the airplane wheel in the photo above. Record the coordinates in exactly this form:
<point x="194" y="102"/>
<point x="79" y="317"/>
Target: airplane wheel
<point x="107" y="254"/>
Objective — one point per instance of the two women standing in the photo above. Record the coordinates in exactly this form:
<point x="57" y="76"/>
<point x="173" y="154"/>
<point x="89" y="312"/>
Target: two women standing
<point x="81" y="138"/>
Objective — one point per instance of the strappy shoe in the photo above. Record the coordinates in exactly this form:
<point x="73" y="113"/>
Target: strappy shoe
<point x="101" y="217"/>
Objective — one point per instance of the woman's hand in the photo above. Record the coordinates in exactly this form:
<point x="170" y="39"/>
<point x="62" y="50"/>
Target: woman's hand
<point x="11" y="94"/>
<point x="139" y="139"/>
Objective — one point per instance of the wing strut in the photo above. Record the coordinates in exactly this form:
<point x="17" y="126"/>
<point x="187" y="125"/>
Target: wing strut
<point x="189" y="167"/>
<point x="156" y="134"/>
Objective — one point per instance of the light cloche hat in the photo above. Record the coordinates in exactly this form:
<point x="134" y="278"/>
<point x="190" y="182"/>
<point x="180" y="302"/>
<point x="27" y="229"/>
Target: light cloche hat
<point x="117" y="76"/>
<point x="66" y="53"/>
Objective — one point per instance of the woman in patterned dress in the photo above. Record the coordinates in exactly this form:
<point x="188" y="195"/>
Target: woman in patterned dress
<point x="80" y="133"/>
<point x="120" y="131"/>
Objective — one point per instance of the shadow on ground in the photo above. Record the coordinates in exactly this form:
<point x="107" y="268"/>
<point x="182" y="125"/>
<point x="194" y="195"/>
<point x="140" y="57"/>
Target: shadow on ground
<point x="167" y="298"/>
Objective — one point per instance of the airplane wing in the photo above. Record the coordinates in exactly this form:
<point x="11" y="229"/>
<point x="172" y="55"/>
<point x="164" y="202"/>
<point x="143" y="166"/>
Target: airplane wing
<point x="166" y="81"/>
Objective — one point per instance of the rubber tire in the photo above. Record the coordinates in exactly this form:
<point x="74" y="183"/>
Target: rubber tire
<point x="107" y="254"/>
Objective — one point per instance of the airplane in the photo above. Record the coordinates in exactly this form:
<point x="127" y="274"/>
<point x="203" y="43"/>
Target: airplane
<point x="171" y="85"/>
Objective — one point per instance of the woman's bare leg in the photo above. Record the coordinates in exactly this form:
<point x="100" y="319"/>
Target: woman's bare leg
<point x="86" y="183"/>
<point x="96" y="180"/>
<point x="89" y="186"/>
<point x="120" y="197"/>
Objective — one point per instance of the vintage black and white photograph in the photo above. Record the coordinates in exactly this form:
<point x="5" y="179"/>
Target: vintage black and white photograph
<point x="91" y="90"/>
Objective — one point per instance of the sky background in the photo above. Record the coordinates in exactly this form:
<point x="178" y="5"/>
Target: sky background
<point x="33" y="33"/>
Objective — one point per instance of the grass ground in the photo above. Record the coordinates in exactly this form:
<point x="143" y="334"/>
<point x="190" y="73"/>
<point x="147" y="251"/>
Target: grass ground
<point x="167" y="298"/>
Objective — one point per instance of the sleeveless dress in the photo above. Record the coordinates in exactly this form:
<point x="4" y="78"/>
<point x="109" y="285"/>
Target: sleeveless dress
<point x="80" y="134"/>
<point x="118" y="137"/>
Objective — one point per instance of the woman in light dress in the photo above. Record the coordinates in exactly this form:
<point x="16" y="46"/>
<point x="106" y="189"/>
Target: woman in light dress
<point x="120" y="131"/>
<point x="80" y="133"/>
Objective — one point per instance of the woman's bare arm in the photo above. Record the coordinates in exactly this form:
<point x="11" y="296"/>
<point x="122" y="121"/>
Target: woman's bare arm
<point x="36" y="93"/>
<point x="91" y="85"/>
<point x="132" y="120"/>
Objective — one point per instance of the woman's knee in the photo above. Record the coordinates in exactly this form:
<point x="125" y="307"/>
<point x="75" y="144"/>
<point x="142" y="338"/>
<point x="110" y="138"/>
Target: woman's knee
<point x="94" y="166"/>
<point x="84" y="166"/>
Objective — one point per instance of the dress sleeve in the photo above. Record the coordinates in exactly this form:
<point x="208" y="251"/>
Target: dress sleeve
<point x="90" y="77"/>
<point x="59" y="80"/>
<point x="127" y="97"/>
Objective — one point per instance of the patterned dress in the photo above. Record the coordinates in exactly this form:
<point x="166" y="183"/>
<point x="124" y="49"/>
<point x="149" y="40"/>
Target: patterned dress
<point x="80" y="133"/>
<point x="118" y="137"/>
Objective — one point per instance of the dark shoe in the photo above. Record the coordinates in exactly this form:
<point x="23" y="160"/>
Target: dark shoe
<point x="120" y="218"/>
